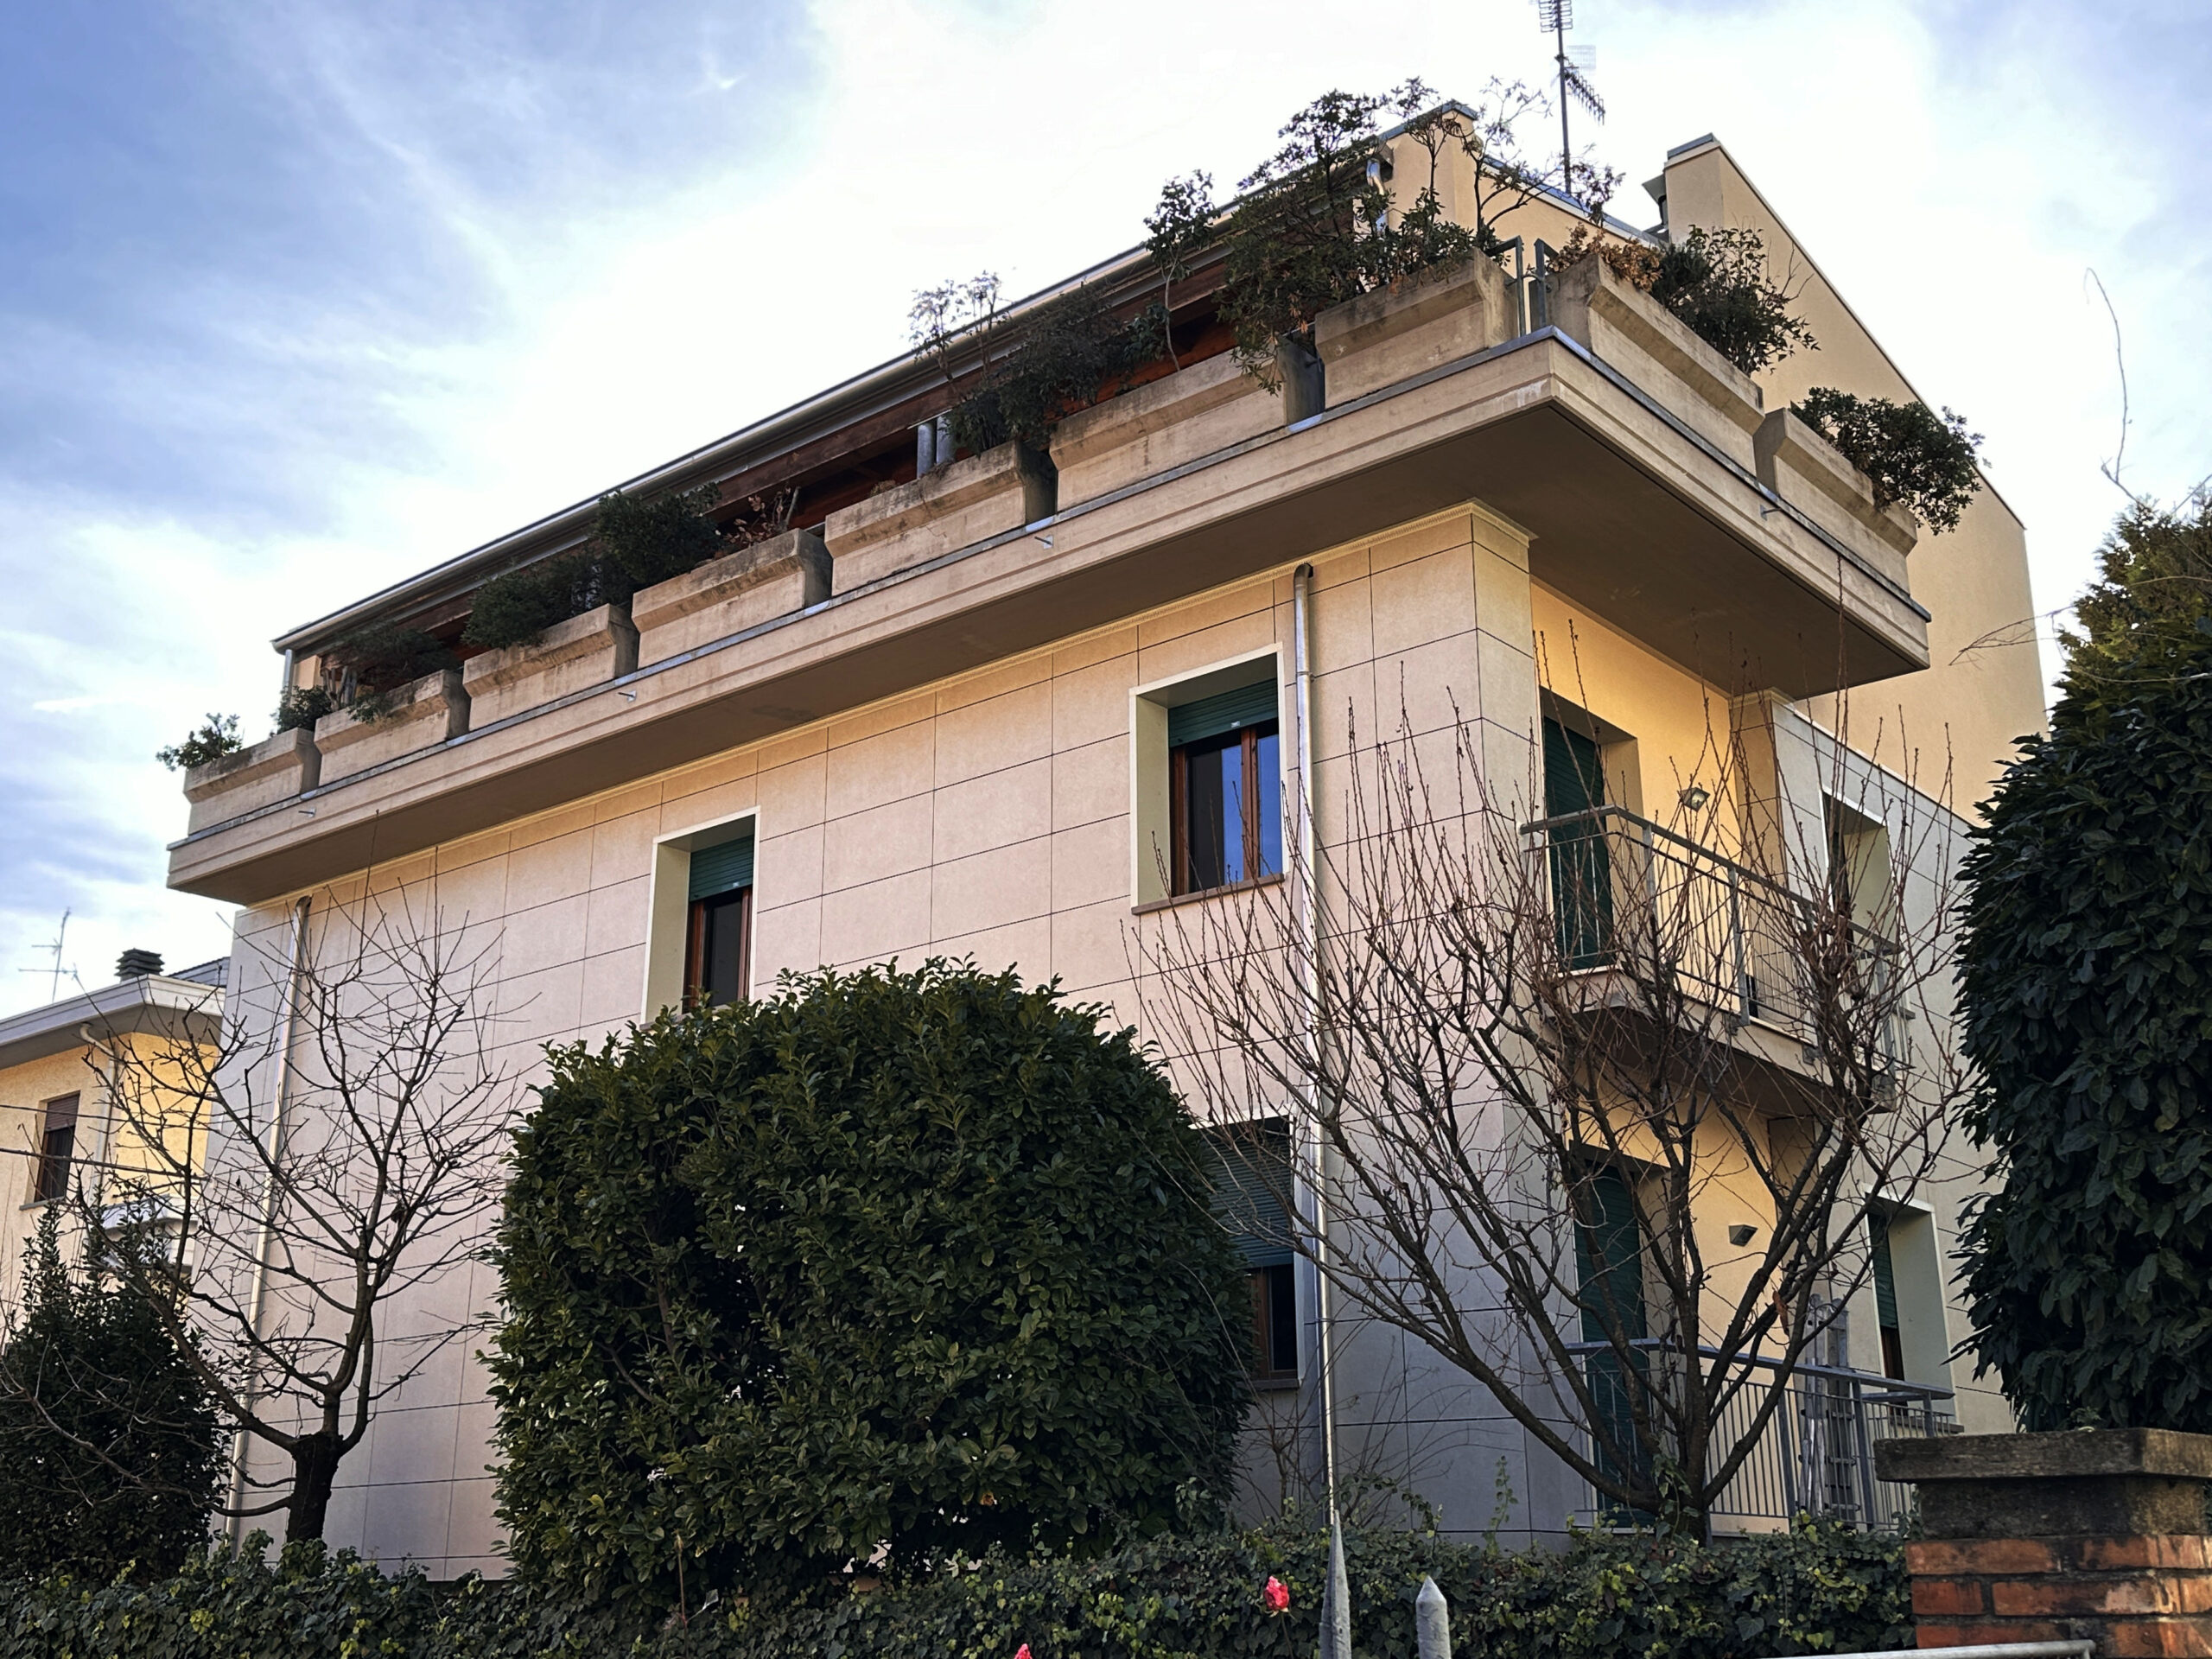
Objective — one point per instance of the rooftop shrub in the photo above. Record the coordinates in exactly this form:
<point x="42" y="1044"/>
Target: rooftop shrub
<point x="213" y="738"/>
<point x="636" y="542"/>
<point x="1925" y="462"/>
<point x="1718" y="282"/>
<point x="917" y="1262"/>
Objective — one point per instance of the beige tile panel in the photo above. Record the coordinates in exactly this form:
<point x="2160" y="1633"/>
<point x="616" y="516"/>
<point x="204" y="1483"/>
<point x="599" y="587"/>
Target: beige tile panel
<point x="867" y="846"/>
<point x="994" y="810"/>
<point x="1091" y="782"/>
<point x="888" y="766"/>
<point x="870" y="924"/>
<point x="1031" y="668"/>
<point x="1092" y="703"/>
<point x="1089" y="947"/>
<point x="1090" y="863"/>
<point x="786" y="868"/>
<point x="1192" y="651"/>
<point x="989" y="736"/>
<point x="787" y="936"/>
<point x="1025" y="947"/>
<point x="990" y="890"/>
<point x="1425" y="599"/>
<point x="1096" y="647"/>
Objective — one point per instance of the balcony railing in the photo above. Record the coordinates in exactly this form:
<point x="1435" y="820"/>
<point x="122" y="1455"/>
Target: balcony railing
<point x="1631" y="895"/>
<point x="1816" y="1455"/>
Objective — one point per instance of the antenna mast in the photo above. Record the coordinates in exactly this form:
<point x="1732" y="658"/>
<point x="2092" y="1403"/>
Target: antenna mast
<point x="60" y="933"/>
<point x="1557" y="16"/>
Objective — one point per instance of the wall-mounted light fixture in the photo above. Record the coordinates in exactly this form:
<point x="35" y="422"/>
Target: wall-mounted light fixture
<point x="1695" y="796"/>
<point x="1740" y="1234"/>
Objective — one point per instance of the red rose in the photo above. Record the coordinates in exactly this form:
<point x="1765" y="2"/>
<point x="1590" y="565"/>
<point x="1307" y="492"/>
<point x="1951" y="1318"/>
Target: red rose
<point x="1276" y="1595"/>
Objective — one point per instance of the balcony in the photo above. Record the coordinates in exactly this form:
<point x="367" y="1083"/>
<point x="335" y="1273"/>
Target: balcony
<point x="1816" y="1456"/>
<point x="1655" y="489"/>
<point x="1632" y="899"/>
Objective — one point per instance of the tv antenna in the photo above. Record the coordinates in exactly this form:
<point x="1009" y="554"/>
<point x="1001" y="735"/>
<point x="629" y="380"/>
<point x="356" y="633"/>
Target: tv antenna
<point x="1575" y="68"/>
<point x="59" y="934"/>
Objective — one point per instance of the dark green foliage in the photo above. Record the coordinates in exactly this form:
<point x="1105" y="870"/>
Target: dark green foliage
<point x="303" y="705"/>
<point x="215" y="737"/>
<point x="2152" y="597"/>
<point x="2087" y="946"/>
<point x="1718" y="283"/>
<point x="516" y="607"/>
<point x="1813" y="1590"/>
<point x="893" y="1258"/>
<point x="110" y="1449"/>
<point x="1068" y="354"/>
<point x="1913" y="455"/>
<point x="636" y="542"/>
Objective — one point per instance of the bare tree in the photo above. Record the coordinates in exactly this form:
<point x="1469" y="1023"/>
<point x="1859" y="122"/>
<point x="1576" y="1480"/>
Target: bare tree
<point x="316" y="1174"/>
<point x="1598" y="1111"/>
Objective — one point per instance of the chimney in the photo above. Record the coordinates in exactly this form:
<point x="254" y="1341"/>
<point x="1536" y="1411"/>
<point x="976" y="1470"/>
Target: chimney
<point x="137" y="964"/>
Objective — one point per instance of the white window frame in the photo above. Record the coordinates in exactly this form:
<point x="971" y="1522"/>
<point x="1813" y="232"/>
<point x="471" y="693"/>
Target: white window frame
<point x="668" y="905"/>
<point x="1150" y="817"/>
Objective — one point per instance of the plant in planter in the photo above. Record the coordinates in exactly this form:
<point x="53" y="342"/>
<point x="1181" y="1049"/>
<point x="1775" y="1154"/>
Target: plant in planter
<point x="379" y="660"/>
<point x="1916" y="458"/>
<point x="1718" y="283"/>
<point x="636" y="542"/>
<point x="301" y="706"/>
<point x="1319" y="224"/>
<point x="212" y="738"/>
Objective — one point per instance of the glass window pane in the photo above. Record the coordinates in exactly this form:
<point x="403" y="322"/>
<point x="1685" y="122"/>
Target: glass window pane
<point x="1230" y="760"/>
<point x="1205" y="807"/>
<point x="723" y="968"/>
<point x="1270" y="825"/>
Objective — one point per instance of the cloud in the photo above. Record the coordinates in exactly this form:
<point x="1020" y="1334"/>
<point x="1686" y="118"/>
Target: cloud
<point x="298" y="298"/>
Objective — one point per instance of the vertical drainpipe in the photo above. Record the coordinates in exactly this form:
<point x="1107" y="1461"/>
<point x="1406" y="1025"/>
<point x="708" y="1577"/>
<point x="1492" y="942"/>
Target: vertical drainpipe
<point x="295" y="962"/>
<point x="1336" y="1627"/>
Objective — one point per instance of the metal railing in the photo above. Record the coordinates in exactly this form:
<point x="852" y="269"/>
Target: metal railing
<point x="1630" y="894"/>
<point x="1816" y="1454"/>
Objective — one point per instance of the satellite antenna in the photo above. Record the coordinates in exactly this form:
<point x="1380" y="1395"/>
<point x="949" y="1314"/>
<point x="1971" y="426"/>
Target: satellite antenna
<point x="1557" y="16"/>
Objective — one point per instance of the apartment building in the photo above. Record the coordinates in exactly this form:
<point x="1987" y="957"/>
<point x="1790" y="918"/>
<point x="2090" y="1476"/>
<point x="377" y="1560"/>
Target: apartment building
<point x="80" y="1087"/>
<point x="991" y="707"/>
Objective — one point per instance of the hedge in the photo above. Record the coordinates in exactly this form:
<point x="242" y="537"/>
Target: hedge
<point x="1815" y="1589"/>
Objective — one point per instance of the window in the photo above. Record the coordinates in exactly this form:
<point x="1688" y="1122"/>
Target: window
<point x="718" y="933"/>
<point x="57" y="1147"/>
<point x="1885" y="1302"/>
<point x="1582" y="884"/>
<point x="1252" y="1180"/>
<point x="1224" y="762"/>
<point x="1609" y="1277"/>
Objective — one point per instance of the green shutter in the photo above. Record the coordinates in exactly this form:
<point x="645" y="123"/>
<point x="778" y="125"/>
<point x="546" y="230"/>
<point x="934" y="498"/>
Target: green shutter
<point x="1227" y="711"/>
<point x="1251" y="1172"/>
<point x="723" y="867"/>
<point x="1885" y="1278"/>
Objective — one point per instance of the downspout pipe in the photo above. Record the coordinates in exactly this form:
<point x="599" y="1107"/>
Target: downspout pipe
<point x="1336" y="1617"/>
<point x="287" y="1027"/>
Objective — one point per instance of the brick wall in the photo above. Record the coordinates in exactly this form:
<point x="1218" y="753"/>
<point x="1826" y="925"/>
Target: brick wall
<point x="2137" y="1597"/>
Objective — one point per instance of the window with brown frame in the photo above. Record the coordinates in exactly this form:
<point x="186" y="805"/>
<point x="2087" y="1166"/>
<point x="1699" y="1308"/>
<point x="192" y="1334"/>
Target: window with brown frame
<point x="1225" y="799"/>
<point x="1274" y="1323"/>
<point x="57" y="1148"/>
<point x="718" y="926"/>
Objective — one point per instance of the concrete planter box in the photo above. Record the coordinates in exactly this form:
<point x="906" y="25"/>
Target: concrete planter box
<point x="1812" y="475"/>
<point x="420" y="716"/>
<point x="275" y="769"/>
<point x="1657" y="349"/>
<point x="1396" y="333"/>
<point x="1160" y="426"/>
<point x="2109" y="1481"/>
<point x="585" y="650"/>
<point x="940" y="513"/>
<point x="726" y="595"/>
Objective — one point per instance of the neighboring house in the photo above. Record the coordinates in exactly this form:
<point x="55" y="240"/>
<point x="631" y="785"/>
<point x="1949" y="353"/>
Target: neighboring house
<point x="1006" y="709"/>
<point x="64" y="1126"/>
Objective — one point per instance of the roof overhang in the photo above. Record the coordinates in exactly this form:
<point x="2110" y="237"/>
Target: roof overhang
<point x="155" y="1005"/>
<point x="1633" y="515"/>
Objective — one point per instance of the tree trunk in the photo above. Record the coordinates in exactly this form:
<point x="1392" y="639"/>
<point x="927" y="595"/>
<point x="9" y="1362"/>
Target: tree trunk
<point x="314" y="1469"/>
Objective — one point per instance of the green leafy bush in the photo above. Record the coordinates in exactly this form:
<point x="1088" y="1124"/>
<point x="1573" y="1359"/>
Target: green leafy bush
<point x="915" y="1260"/>
<point x="1070" y="354"/>
<point x="301" y="706"/>
<point x="1718" y="283"/>
<point x="2087" y="949"/>
<point x="636" y="542"/>
<point x="215" y="737"/>
<point x="1914" y="457"/>
<point x="1812" y="1590"/>
<point x="110" y="1449"/>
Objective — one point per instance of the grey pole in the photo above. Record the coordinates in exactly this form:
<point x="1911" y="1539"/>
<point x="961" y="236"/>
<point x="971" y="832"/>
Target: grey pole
<point x="1432" y="1621"/>
<point x="1336" y="1602"/>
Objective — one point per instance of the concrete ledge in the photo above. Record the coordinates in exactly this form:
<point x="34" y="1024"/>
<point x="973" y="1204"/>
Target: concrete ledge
<point x="585" y="650"/>
<point x="2069" y="1455"/>
<point x="1393" y="334"/>
<point x="430" y="711"/>
<point x="726" y="595"/>
<point x="940" y="513"/>
<point x="1813" y="475"/>
<point x="2119" y="1481"/>
<point x="1166" y="424"/>
<point x="1653" y="346"/>
<point x="273" y="769"/>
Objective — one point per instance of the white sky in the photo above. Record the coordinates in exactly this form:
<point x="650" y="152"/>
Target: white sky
<point x="300" y="299"/>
